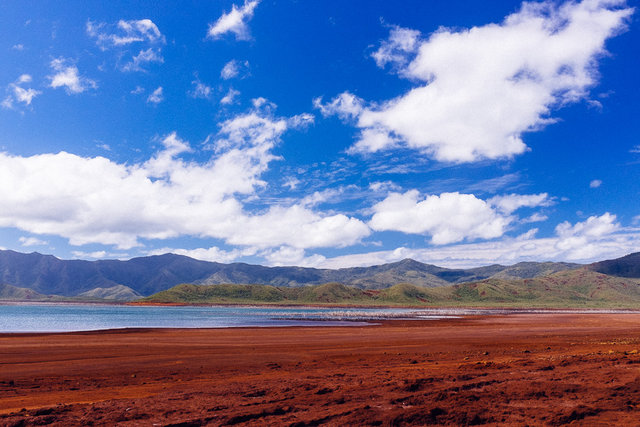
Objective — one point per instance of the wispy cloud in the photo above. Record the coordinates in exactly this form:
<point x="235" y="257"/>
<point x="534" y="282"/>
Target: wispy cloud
<point x="234" y="21"/>
<point x="123" y="36"/>
<point x="32" y="241"/>
<point x="156" y="96"/>
<point x="143" y="58"/>
<point x="230" y="97"/>
<point x="66" y="75"/>
<point x="234" y="68"/>
<point x="124" y="33"/>
<point x="201" y="90"/>
<point x="19" y="93"/>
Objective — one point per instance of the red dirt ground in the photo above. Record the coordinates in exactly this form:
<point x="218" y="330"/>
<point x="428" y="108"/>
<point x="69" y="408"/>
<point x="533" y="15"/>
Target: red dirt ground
<point x="535" y="369"/>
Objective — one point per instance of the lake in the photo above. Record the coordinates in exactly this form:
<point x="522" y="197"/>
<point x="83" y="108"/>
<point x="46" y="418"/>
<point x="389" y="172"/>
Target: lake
<point x="51" y="317"/>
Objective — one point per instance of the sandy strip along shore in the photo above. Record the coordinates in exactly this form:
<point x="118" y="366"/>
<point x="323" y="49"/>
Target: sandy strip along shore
<point x="523" y="368"/>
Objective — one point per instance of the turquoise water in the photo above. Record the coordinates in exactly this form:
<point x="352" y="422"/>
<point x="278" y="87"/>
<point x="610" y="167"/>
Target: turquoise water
<point x="86" y="317"/>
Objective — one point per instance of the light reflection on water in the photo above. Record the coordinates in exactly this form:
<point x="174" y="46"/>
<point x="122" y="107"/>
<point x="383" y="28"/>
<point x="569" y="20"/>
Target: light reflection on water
<point x="43" y="317"/>
<point x="56" y="317"/>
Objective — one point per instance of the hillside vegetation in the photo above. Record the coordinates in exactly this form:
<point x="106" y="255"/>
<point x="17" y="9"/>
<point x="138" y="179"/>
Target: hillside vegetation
<point x="567" y="289"/>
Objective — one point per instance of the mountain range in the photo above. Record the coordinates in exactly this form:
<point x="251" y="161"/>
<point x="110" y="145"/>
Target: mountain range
<point x="40" y="277"/>
<point x="143" y="276"/>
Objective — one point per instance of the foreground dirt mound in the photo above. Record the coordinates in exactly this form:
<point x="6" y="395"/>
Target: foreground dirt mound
<point x="547" y="369"/>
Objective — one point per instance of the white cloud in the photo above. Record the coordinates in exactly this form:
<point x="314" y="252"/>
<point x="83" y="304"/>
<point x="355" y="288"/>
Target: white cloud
<point x="156" y="96"/>
<point x="581" y="239"/>
<point x="385" y="186"/>
<point x="535" y="217"/>
<point x="512" y="202"/>
<point x="592" y="240"/>
<point x="32" y="241"/>
<point x="230" y="70"/>
<point x="212" y="254"/>
<point x="301" y="121"/>
<point x="235" y="21"/>
<point x="67" y="76"/>
<point x="92" y="255"/>
<point x="292" y="183"/>
<point x="345" y="105"/>
<point x="143" y="58"/>
<point x="482" y="88"/>
<point x="96" y="200"/>
<point x="18" y="47"/>
<point x="595" y="183"/>
<point x="138" y="90"/>
<point x="286" y="255"/>
<point x="447" y="218"/>
<point x="230" y="97"/>
<point x="234" y="68"/>
<point x="201" y="90"/>
<point x="264" y="103"/>
<point x="635" y="149"/>
<point x="124" y="33"/>
<point x="398" y="48"/>
<point x="18" y="93"/>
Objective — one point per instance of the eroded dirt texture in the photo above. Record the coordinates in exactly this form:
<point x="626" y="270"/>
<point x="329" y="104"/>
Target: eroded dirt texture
<point x="547" y="369"/>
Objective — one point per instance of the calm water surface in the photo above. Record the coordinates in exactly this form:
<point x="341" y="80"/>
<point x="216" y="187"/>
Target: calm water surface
<point x="85" y="317"/>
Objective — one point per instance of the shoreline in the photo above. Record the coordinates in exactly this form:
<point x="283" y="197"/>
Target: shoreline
<point x="505" y="308"/>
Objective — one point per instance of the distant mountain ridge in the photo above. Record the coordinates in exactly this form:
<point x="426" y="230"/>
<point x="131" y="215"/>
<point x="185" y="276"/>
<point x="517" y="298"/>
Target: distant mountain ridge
<point x="49" y="275"/>
<point x="627" y="266"/>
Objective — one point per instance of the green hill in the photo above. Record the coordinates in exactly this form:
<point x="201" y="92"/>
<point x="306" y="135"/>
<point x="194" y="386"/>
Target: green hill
<point x="580" y="288"/>
<point x="14" y="293"/>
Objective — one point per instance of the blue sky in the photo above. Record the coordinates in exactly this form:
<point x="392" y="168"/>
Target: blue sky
<point x="324" y="134"/>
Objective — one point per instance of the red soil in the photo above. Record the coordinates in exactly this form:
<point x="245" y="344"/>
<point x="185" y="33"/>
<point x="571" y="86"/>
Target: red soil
<point x="542" y="369"/>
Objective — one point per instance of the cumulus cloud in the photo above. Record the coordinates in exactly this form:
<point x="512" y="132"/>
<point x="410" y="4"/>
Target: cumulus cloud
<point x="447" y="218"/>
<point x="581" y="239"/>
<point x="450" y="217"/>
<point x="479" y="89"/>
<point x="124" y="33"/>
<point x="595" y="183"/>
<point x="97" y="200"/>
<point x="66" y="75"/>
<point x="235" y="21"/>
<point x="156" y="96"/>
<point x="597" y="238"/>
<point x="18" y="93"/>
